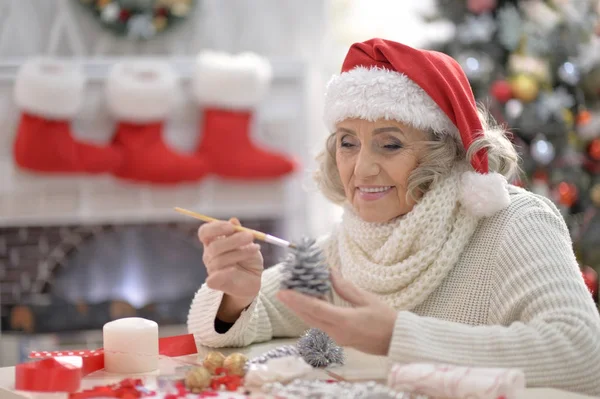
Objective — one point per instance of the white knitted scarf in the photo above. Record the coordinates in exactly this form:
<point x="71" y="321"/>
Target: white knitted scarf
<point x="405" y="260"/>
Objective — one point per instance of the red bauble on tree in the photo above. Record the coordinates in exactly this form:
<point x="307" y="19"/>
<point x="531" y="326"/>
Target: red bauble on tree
<point x="481" y="6"/>
<point x="501" y="90"/>
<point x="594" y="149"/>
<point x="590" y="277"/>
<point x="567" y="194"/>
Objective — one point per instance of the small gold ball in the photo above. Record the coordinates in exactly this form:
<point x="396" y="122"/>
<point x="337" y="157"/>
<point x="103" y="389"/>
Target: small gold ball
<point x="524" y="87"/>
<point x="198" y="379"/>
<point x="236" y="364"/>
<point x="213" y="360"/>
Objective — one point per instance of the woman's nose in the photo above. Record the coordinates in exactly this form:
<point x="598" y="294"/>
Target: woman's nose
<point x="366" y="164"/>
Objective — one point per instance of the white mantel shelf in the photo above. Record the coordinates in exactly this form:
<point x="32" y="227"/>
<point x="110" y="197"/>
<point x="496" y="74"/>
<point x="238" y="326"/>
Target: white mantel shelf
<point x="96" y="68"/>
<point x="133" y="204"/>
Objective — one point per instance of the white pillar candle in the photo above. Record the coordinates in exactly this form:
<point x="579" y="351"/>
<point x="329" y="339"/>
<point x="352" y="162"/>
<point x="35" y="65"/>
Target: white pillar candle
<point x="130" y="346"/>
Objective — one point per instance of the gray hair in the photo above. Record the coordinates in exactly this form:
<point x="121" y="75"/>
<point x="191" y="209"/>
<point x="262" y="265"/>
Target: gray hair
<point x="441" y="153"/>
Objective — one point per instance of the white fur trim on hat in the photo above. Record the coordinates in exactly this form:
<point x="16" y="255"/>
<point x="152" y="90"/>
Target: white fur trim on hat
<point x="231" y="81"/>
<point x="50" y="87"/>
<point x="376" y="93"/>
<point x="141" y="90"/>
<point x="484" y="194"/>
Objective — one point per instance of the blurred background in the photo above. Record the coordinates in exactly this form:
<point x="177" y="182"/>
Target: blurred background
<point x="78" y="249"/>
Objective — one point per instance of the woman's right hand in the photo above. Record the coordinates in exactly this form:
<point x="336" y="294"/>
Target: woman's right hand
<point x="234" y="266"/>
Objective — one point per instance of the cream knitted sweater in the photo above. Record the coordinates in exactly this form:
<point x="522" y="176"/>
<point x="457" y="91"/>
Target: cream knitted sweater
<point x="515" y="298"/>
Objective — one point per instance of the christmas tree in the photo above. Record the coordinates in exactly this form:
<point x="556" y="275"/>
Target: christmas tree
<point x="535" y="64"/>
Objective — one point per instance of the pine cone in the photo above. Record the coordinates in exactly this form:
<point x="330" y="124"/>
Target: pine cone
<point x="305" y="270"/>
<point x="319" y="350"/>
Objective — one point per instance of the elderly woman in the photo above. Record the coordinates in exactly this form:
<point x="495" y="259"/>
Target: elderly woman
<point x="437" y="258"/>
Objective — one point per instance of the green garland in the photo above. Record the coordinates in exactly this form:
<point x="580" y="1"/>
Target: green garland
<point x="139" y="19"/>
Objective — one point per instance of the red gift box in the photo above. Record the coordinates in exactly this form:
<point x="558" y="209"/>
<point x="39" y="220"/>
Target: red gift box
<point x="93" y="360"/>
<point x="47" y="375"/>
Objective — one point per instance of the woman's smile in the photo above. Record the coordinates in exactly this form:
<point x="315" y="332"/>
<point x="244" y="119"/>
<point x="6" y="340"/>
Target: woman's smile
<point x="372" y="193"/>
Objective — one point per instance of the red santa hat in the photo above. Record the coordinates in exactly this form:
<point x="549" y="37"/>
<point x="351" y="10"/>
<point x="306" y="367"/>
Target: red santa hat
<point x="425" y="89"/>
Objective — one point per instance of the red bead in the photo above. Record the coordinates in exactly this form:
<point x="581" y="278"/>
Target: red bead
<point x="501" y="90"/>
<point x="231" y="386"/>
<point x="181" y="390"/>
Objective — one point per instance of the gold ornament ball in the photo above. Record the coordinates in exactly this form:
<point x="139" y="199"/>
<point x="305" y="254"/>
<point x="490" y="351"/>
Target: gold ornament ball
<point x="213" y="360"/>
<point x="236" y="364"/>
<point x="524" y="88"/>
<point x="198" y="379"/>
<point x="595" y="194"/>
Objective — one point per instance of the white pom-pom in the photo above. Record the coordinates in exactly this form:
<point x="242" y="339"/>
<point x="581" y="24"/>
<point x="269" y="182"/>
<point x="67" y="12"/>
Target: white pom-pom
<point x="484" y="194"/>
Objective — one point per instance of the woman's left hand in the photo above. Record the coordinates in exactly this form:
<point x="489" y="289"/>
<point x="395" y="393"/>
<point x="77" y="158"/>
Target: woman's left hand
<point x="367" y="326"/>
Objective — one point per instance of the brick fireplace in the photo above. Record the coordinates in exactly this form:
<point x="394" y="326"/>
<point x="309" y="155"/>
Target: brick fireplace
<point x="78" y="277"/>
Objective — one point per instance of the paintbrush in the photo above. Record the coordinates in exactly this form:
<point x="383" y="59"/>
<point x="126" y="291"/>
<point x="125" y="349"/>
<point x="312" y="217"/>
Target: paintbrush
<point x="257" y="234"/>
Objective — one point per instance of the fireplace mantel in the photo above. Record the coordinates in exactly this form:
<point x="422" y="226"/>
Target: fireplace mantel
<point x="28" y="199"/>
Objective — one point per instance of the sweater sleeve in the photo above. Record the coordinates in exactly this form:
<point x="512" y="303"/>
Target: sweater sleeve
<point x="264" y="319"/>
<point x="542" y="318"/>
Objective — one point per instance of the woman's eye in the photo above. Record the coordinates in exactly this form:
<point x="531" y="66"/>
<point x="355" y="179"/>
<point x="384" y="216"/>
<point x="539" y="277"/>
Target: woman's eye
<point x="392" y="146"/>
<point x="346" y="144"/>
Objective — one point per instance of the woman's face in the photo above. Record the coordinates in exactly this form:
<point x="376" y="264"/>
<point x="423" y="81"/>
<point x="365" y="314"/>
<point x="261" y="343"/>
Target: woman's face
<point x="374" y="160"/>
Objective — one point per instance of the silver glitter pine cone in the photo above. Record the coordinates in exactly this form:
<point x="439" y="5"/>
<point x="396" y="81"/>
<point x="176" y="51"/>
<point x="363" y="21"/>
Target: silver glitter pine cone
<point x="305" y="270"/>
<point x="319" y="350"/>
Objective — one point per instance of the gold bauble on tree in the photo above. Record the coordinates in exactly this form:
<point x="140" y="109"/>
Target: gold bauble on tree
<point x="235" y="364"/>
<point x="213" y="360"/>
<point x="595" y="194"/>
<point x="198" y="379"/>
<point x="524" y="87"/>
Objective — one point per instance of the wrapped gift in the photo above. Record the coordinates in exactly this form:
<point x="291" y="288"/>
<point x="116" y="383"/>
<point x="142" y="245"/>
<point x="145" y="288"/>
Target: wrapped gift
<point x="49" y="375"/>
<point x="61" y="371"/>
<point x="92" y="360"/>
<point x="446" y="381"/>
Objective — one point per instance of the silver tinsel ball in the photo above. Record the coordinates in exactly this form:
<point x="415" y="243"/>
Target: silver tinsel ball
<point x="305" y="270"/>
<point x="542" y="151"/>
<point x="319" y="350"/>
<point x="316" y="389"/>
<point x="477" y="66"/>
<point x="569" y="73"/>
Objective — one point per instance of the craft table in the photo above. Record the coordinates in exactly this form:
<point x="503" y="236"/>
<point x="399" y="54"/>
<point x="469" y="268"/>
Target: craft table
<point x="359" y="366"/>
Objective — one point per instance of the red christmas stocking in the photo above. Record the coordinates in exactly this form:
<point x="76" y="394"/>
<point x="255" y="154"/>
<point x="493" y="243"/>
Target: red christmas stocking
<point x="228" y="88"/>
<point x="50" y="92"/>
<point x="141" y="94"/>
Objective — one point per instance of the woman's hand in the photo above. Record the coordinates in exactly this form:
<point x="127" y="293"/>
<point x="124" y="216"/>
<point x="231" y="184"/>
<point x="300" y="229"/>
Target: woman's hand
<point x="368" y="326"/>
<point x="234" y="265"/>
